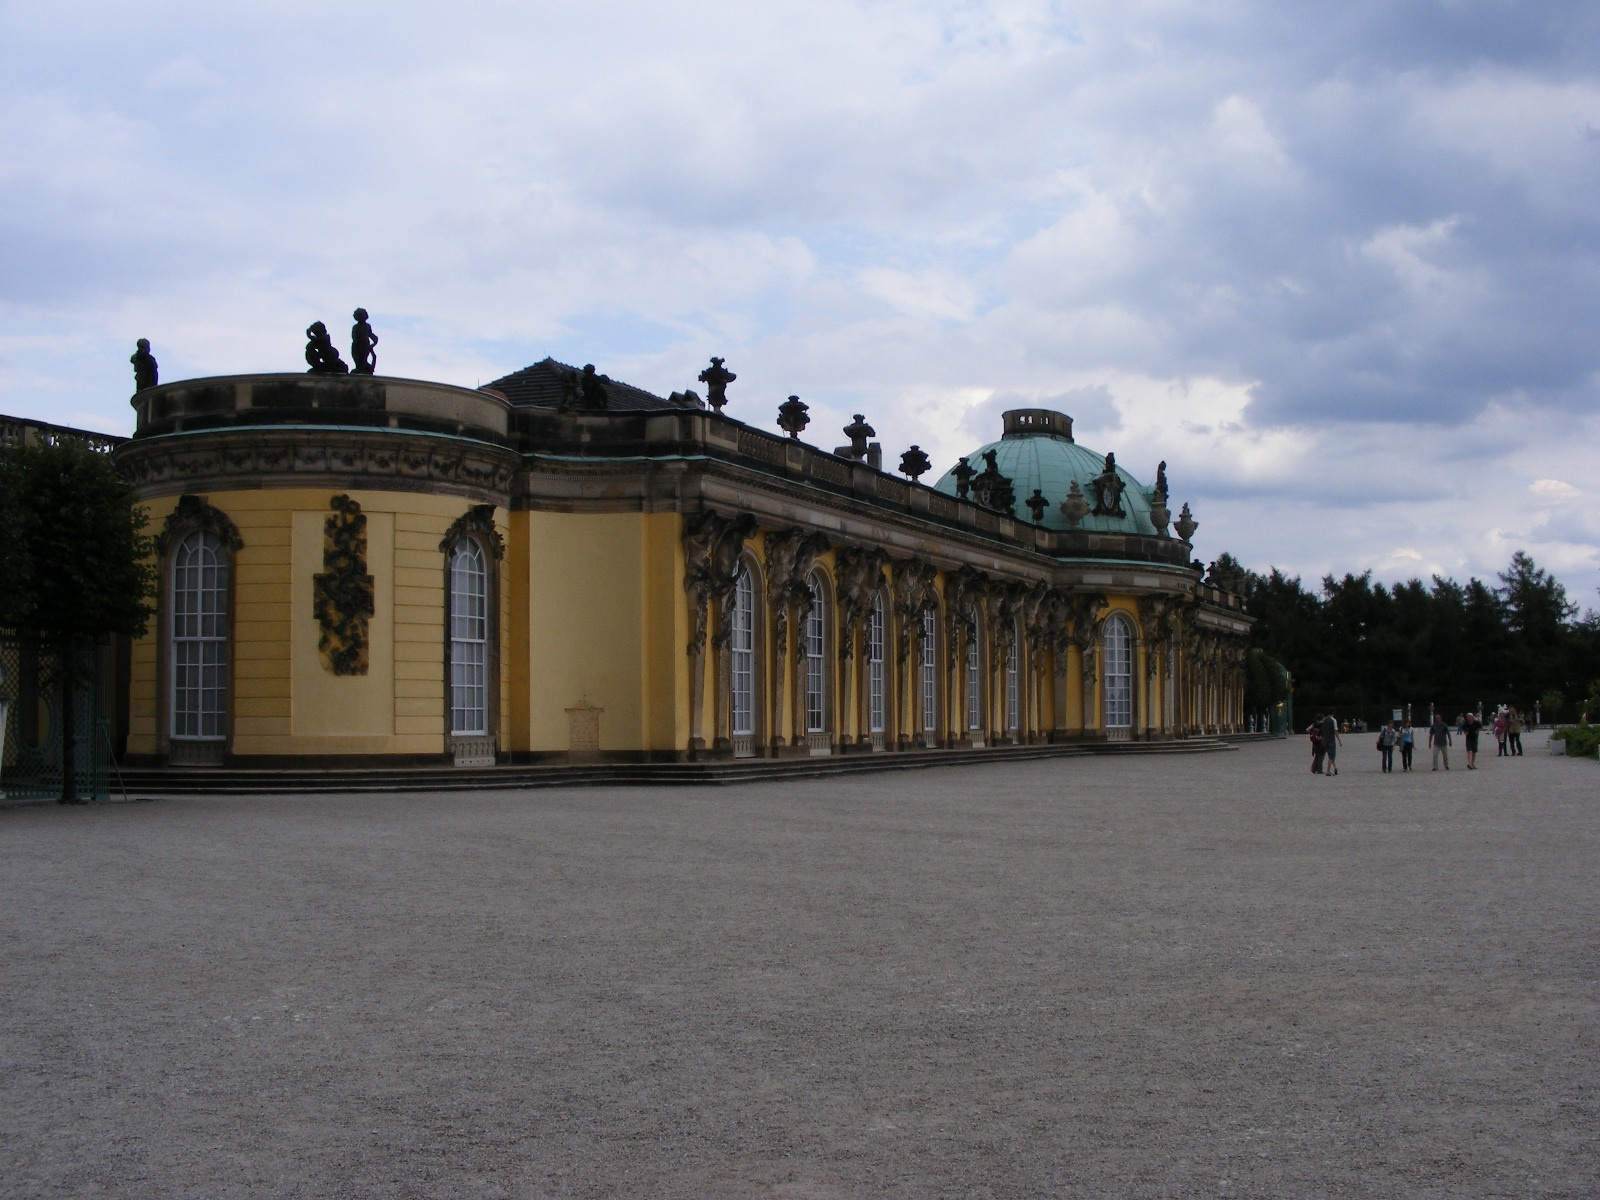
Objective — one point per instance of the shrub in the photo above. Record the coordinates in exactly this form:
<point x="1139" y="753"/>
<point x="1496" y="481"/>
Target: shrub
<point x="1582" y="739"/>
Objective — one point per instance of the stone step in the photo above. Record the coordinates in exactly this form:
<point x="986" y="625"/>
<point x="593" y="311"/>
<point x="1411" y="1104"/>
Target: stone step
<point x="156" y="781"/>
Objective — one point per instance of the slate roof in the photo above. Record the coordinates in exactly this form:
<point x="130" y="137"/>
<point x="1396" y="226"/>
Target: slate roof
<point x="544" y="384"/>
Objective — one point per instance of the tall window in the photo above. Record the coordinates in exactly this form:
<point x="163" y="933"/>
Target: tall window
<point x="469" y="639"/>
<point x="875" y="666"/>
<point x="200" y="638"/>
<point x="1119" y="674"/>
<point x="974" y="709"/>
<point x="1013" y="707"/>
<point x="816" y="706"/>
<point x="744" y="655"/>
<point x="930" y="695"/>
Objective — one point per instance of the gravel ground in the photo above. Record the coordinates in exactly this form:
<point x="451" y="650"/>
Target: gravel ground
<point x="1206" y="975"/>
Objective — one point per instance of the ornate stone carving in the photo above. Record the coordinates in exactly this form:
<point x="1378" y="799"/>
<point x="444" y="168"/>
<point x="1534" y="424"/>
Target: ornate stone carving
<point x="477" y="521"/>
<point x="716" y="377"/>
<point x="1160" y="514"/>
<point x="963" y="471"/>
<point x="791" y="554"/>
<point x="914" y="594"/>
<point x="321" y="357"/>
<point x="1037" y="504"/>
<point x="1185" y="525"/>
<point x="1107" y="489"/>
<point x="792" y="416"/>
<point x="586" y="391"/>
<point x="1074" y="508"/>
<point x="859" y="575"/>
<point x="712" y="544"/>
<point x="992" y="489"/>
<point x="145" y="370"/>
<point x="194" y="513"/>
<point x="343" y="594"/>
<point x="858" y="431"/>
<point x="363" y="345"/>
<point x="915" y="462"/>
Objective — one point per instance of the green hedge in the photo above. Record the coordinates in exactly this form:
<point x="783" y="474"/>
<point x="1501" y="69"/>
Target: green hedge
<point x="1581" y="739"/>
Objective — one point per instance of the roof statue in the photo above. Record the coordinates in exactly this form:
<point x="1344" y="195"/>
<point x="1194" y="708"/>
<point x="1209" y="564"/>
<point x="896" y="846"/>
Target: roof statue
<point x="1074" y="508"/>
<point x="716" y="377"/>
<point x="1037" y="504"/>
<point x="792" y="416"/>
<point x="321" y="357"/>
<point x="858" y="431"/>
<point x="963" y="473"/>
<point x="144" y="366"/>
<point x="915" y="462"/>
<point x="1185" y="525"/>
<point x="1160" y="514"/>
<point x="363" y="345"/>
<point x="991" y="488"/>
<point x="1108" y="488"/>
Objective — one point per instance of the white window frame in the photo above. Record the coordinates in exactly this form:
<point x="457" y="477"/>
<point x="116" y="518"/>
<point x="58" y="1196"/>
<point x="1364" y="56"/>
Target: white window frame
<point x="875" y="689"/>
<point x="743" y="664"/>
<point x="1013" y="698"/>
<point x="199" y="636"/>
<point x="814" y="630"/>
<point x="1118" y="667"/>
<point x="974" y="681"/>
<point x="930" y="683"/>
<point x="469" y="639"/>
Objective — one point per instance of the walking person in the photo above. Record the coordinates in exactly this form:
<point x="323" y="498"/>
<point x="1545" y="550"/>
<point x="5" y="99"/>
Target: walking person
<point x="1514" y="724"/>
<point x="1407" y="744"/>
<point x="1314" y="732"/>
<point x="1387" y="737"/>
<point x="1471" y="725"/>
<point x="1331" y="741"/>
<point x="1439" y="739"/>
<point x="1501" y="725"/>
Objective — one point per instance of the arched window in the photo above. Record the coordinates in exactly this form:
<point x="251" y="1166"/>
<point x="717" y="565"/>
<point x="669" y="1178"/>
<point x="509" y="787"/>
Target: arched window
<point x="469" y="640"/>
<point x="1013" y="705"/>
<point x="875" y="700"/>
<point x="199" y="638"/>
<point x="744" y="655"/>
<point x="974" y="676"/>
<point x="814" y="631"/>
<point x="930" y="694"/>
<point x="1118" y="674"/>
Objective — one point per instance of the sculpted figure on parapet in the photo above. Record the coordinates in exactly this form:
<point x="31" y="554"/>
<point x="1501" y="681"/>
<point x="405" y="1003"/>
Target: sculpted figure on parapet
<point x="321" y="357"/>
<point x="1107" y="488"/>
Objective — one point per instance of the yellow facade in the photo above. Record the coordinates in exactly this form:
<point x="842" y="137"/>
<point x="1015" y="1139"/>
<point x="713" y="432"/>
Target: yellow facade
<point x="648" y="592"/>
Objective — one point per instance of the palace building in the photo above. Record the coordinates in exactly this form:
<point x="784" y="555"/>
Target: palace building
<point x="560" y="567"/>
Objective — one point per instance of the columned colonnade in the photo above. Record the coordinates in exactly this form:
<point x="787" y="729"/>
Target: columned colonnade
<point x="798" y="646"/>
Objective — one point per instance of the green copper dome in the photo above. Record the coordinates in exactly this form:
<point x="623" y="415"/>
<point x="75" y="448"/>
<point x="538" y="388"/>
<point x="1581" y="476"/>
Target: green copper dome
<point x="1037" y="451"/>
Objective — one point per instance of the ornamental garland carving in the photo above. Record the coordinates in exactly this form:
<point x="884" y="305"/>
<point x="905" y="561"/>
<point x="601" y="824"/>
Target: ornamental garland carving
<point x="194" y="513"/>
<point x="343" y="593"/>
<point x="477" y="522"/>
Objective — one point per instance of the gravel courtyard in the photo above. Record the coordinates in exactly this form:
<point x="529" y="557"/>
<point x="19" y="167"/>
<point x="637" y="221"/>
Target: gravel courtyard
<point x="1188" y="975"/>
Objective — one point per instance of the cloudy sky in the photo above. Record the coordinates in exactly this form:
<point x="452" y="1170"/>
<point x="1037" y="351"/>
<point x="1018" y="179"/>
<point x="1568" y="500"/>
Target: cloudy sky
<point x="1338" y="264"/>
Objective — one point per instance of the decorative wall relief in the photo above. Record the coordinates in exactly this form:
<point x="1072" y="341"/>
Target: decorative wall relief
<point x="343" y="595"/>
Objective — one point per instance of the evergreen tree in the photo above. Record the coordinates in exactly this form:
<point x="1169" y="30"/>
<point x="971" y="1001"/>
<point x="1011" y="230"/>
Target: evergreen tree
<point x="75" y="560"/>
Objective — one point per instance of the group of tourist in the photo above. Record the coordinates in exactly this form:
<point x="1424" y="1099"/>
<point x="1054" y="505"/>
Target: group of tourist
<point x="1325" y="740"/>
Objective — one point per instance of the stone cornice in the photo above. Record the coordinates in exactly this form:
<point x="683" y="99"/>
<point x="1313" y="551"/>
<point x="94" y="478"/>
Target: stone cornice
<point x="319" y="457"/>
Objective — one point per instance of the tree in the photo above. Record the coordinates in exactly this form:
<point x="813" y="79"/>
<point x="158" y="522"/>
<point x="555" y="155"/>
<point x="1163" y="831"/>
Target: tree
<point x="75" y="559"/>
